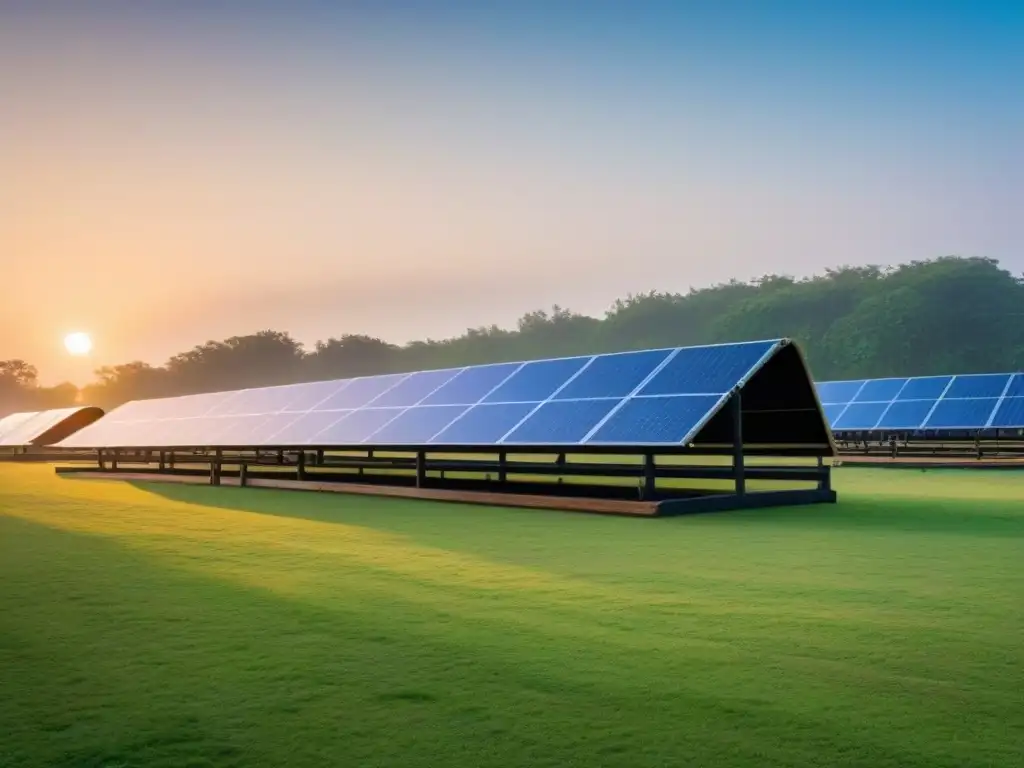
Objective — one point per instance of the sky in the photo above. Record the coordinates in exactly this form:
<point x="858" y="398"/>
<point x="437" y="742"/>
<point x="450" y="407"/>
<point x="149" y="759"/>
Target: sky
<point x="177" y="172"/>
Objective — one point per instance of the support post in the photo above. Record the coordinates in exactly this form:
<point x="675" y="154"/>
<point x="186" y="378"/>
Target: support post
<point x="113" y="461"/>
<point x="560" y="463"/>
<point x="280" y="457"/>
<point x="215" y="467"/>
<point x="647" y="492"/>
<point x="421" y="469"/>
<point x="320" y="457"/>
<point x="502" y="467"/>
<point x="163" y="461"/>
<point x="243" y="474"/>
<point x="738" y="468"/>
<point x="300" y="466"/>
<point x="100" y="462"/>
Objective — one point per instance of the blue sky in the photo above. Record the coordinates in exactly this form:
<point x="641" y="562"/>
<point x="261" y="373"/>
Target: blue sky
<point x="411" y="169"/>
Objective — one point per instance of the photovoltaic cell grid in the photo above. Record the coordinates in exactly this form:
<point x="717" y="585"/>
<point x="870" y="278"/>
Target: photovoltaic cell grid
<point x="969" y="402"/>
<point x="649" y="397"/>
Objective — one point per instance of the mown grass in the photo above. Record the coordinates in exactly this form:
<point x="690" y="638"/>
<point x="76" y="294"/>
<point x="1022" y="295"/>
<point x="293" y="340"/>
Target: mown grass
<point x="197" y="626"/>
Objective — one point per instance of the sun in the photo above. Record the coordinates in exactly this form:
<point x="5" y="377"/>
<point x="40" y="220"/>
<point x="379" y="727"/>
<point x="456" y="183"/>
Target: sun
<point x="78" y="343"/>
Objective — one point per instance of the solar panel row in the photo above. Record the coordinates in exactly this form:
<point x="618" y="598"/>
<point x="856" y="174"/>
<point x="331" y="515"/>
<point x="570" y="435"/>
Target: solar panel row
<point x="650" y="397"/>
<point x="971" y="402"/>
<point x="21" y="429"/>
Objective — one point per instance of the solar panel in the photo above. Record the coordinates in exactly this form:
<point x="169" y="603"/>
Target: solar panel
<point x="471" y="385"/>
<point x="961" y="413"/>
<point x="654" y="420"/>
<point x="483" y="424"/>
<point x="8" y="424"/>
<point x="1010" y="413"/>
<point x="838" y="392"/>
<point x="860" y="416"/>
<point x="906" y="414"/>
<point x="879" y="390"/>
<point x="564" y="422"/>
<point x="966" y="402"/>
<point x="648" y="397"/>
<point x="22" y="429"/>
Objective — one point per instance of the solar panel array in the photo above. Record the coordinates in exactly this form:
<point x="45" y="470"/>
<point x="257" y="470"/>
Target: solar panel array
<point x="20" y="429"/>
<point x="970" y="402"/>
<point x="649" y="397"/>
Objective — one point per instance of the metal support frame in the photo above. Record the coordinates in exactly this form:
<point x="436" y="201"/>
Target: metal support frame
<point x="649" y="488"/>
<point x="519" y="471"/>
<point x="215" y="467"/>
<point x="738" y="465"/>
<point x="421" y="469"/>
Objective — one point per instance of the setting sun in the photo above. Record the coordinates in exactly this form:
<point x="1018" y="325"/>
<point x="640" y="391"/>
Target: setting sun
<point x="78" y="343"/>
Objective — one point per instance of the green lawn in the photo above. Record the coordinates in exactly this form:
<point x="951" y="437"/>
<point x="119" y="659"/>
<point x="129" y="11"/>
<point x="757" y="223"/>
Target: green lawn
<point x="195" y="626"/>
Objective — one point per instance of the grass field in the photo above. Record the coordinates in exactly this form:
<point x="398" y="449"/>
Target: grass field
<point x="195" y="626"/>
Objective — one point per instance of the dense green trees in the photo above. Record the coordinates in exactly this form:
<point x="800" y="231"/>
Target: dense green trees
<point x="948" y="315"/>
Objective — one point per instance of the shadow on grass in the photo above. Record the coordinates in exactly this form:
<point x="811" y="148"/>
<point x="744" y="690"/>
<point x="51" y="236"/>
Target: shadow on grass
<point x="430" y="520"/>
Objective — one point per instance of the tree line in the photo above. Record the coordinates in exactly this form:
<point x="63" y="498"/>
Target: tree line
<point x="946" y="315"/>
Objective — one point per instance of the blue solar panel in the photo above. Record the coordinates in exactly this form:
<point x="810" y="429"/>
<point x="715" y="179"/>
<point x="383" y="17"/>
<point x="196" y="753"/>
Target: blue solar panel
<point x="980" y="385"/>
<point x="1010" y="414"/>
<point x="301" y="427"/>
<point x="543" y="403"/>
<point x="251" y="401"/>
<point x="359" y="392"/>
<point x="928" y="402"/>
<point x="879" y="390"/>
<point x="192" y="406"/>
<point x="561" y="421"/>
<point x="355" y="426"/>
<point x="861" y="416"/>
<point x="236" y="430"/>
<point x="833" y="410"/>
<point x="963" y="413"/>
<point x="706" y="370"/>
<point x="906" y="414"/>
<point x="1016" y="388"/>
<point x="309" y="396"/>
<point x="273" y="426"/>
<point x="838" y="391"/>
<point x="484" y="424"/>
<point x="472" y="385"/>
<point x="654" y="420"/>
<point x="413" y="389"/>
<point x="925" y="388"/>
<point x="614" y="375"/>
<point x="535" y="382"/>
<point x="417" y="425"/>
